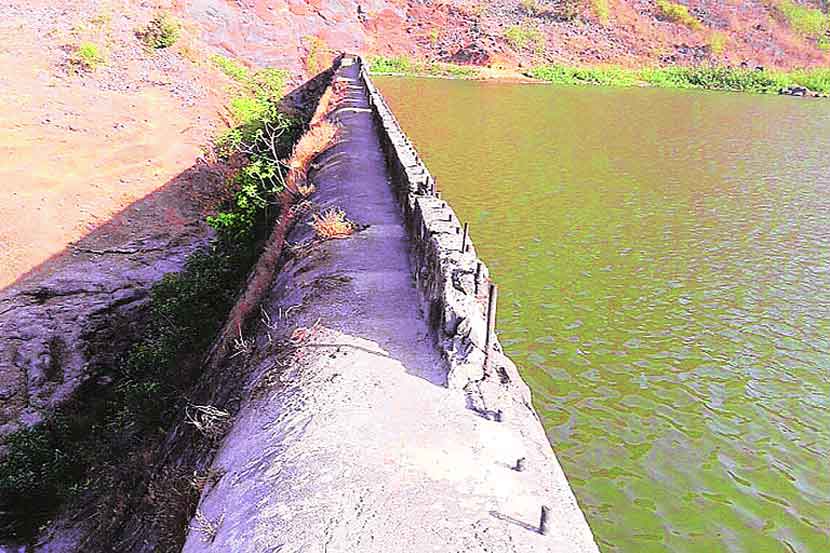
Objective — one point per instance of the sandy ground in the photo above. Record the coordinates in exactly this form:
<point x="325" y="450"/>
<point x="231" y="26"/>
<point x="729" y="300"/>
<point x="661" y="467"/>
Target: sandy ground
<point x="349" y="440"/>
<point x="78" y="149"/>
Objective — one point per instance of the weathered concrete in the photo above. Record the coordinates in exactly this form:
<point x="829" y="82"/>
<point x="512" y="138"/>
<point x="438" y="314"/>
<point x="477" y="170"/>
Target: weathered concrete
<point x="349" y="438"/>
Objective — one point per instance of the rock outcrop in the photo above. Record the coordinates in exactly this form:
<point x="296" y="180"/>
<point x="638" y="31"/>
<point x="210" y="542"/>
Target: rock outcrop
<point x="66" y="324"/>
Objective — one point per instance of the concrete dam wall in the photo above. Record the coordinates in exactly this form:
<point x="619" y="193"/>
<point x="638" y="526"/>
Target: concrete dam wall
<point x="377" y="410"/>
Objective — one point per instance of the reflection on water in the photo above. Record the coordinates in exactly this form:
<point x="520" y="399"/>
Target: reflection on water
<point x="664" y="259"/>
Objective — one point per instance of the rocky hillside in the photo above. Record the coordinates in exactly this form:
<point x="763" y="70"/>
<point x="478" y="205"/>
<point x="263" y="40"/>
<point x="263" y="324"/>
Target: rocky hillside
<point x="515" y="33"/>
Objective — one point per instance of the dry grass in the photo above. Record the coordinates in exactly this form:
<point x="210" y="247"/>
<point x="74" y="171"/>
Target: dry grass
<point x="241" y="345"/>
<point x="200" y="481"/>
<point x="332" y="224"/>
<point x="206" y="527"/>
<point x="210" y="421"/>
<point x="315" y="141"/>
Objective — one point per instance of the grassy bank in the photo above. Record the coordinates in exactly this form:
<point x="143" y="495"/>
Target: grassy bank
<point x="101" y="443"/>
<point x="706" y="78"/>
<point x="402" y="65"/>
<point x="700" y="77"/>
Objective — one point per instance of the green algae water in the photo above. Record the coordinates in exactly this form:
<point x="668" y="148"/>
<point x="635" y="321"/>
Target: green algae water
<point x="663" y="259"/>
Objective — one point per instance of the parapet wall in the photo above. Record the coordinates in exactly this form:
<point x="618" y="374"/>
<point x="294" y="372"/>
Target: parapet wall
<point x="454" y="283"/>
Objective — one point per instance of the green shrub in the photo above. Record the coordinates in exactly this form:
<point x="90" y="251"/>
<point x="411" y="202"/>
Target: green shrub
<point x="161" y="32"/>
<point x="525" y="37"/>
<point x="254" y="105"/>
<point x="87" y="56"/>
<point x="717" y="78"/>
<point x="231" y="68"/>
<point x="391" y="64"/>
<point x="678" y="13"/>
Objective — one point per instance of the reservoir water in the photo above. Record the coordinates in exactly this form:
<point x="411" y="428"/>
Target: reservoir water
<point x="664" y="267"/>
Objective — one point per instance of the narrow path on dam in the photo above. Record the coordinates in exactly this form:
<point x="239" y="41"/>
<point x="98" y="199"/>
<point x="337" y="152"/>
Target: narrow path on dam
<point x="350" y="441"/>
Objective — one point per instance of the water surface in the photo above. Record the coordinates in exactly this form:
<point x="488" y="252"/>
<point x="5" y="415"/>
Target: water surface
<point x="664" y="264"/>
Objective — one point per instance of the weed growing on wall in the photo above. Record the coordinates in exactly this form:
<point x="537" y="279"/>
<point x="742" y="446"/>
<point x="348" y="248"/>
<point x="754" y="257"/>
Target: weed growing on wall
<point x="315" y="59"/>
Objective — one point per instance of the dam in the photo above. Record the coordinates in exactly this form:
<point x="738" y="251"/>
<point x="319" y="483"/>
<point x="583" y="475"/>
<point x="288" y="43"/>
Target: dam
<point x="380" y="413"/>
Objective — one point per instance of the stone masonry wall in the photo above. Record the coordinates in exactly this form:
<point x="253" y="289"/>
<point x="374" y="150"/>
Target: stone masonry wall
<point x="454" y="284"/>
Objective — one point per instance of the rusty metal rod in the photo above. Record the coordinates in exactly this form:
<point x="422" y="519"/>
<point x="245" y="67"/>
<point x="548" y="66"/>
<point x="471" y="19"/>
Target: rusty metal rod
<point x="492" y="301"/>
<point x="544" y="519"/>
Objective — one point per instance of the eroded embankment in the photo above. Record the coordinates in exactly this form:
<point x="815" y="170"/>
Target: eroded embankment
<point x="363" y="424"/>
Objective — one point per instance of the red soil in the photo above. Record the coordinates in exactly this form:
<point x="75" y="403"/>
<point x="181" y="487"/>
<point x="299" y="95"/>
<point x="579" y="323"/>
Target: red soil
<point x="78" y="148"/>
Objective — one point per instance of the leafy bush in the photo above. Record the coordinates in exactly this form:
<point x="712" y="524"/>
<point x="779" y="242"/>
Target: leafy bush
<point x="87" y="56"/>
<point x="161" y="32"/>
<point x="525" y="37"/>
<point x="255" y="104"/>
<point x="678" y="13"/>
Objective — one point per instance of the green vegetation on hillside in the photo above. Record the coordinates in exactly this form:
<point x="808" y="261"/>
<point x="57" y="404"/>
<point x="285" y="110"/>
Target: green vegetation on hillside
<point x="525" y="37"/>
<point x="678" y="13"/>
<point x="702" y="77"/>
<point x="602" y="10"/>
<point x="402" y="65"/>
<point x="809" y="22"/>
<point x="87" y="56"/>
<point x="161" y="32"/>
<point x="113" y="425"/>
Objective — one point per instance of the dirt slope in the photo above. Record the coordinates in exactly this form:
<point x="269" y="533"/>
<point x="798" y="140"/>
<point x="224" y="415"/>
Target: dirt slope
<point x="78" y="146"/>
<point x="292" y="33"/>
